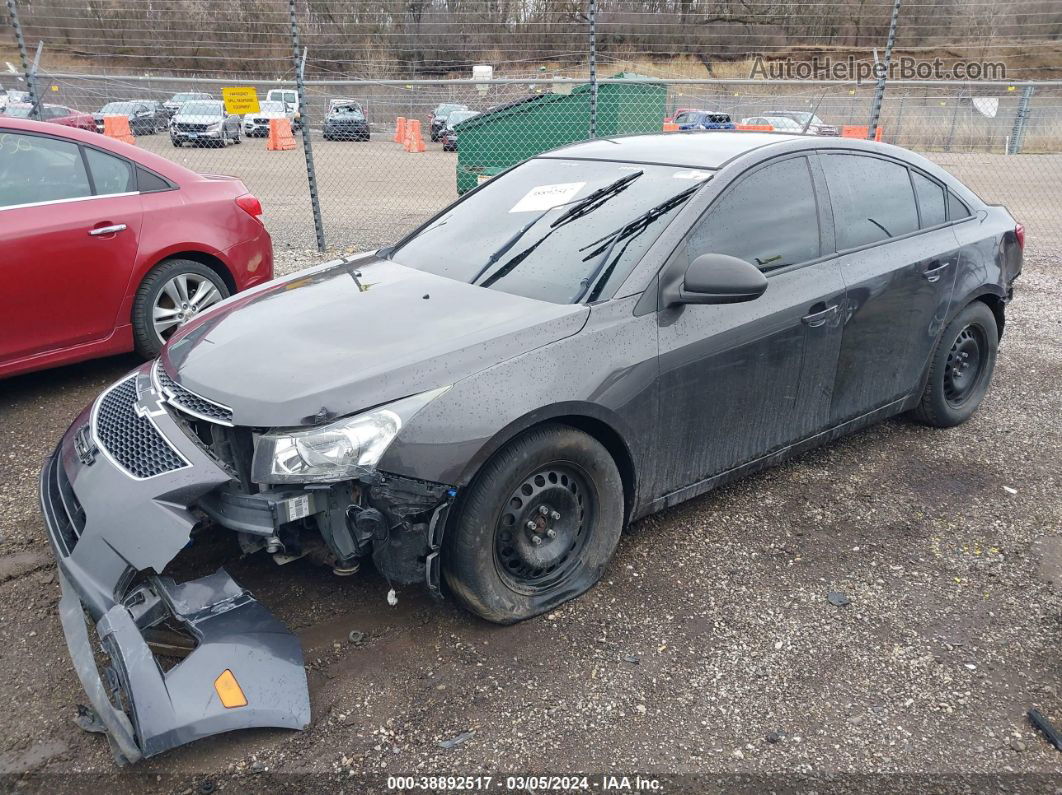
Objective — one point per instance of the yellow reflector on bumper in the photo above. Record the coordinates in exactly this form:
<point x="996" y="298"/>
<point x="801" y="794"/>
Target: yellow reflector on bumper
<point x="229" y="690"/>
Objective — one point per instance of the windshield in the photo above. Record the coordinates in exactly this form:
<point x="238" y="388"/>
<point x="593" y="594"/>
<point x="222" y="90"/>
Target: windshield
<point x="446" y="110"/>
<point x="530" y="233"/>
<point x="187" y="97"/>
<point x="18" y="111"/>
<point x="124" y="108"/>
<point x="782" y="123"/>
<point x="201" y="109"/>
<point x="271" y="107"/>
<point x="459" y="116"/>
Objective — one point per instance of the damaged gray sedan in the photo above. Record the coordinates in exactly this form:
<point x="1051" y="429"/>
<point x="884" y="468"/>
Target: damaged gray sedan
<point x="597" y="334"/>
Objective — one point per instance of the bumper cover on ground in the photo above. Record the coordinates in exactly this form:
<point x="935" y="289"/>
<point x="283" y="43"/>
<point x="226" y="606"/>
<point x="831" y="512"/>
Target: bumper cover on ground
<point x="106" y="527"/>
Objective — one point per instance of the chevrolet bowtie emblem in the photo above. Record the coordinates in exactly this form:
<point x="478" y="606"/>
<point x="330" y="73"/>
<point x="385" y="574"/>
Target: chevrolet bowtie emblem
<point x="150" y="404"/>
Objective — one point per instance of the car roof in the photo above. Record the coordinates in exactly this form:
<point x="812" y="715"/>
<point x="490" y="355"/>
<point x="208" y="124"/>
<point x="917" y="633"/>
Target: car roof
<point x="166" y="168"/>
<point x="700" y="149"/>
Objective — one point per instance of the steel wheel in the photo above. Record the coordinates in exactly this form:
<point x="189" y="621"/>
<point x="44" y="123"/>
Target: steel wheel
<point x="543" y="527"/>
<point x="181" y="299"/>
<point x="964" y="365"/>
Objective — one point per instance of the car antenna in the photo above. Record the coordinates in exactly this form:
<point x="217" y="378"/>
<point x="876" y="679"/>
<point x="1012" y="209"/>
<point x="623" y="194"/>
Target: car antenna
<point x="804" y="129"/>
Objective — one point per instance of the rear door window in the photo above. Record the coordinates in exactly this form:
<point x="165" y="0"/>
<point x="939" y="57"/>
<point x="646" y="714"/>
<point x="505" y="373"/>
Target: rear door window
<point x="37" y="169"/>
<point x="931" y="200"/>
<point x="110" y="174"/>
<point x="957" y="209"/>
<point x="872" y="199"/>
<point x="768" y="218"/>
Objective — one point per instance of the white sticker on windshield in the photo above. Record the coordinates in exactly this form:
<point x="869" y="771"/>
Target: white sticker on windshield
<point x="691" y="174"/>
<point x="546" y="196"/>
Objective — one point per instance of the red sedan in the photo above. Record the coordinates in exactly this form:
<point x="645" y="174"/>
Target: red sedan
<point x="56" y="114"/>
<point x="106" y="248"/>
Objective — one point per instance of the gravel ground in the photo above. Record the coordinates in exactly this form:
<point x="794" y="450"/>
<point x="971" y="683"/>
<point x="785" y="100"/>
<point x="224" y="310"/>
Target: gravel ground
<point x="710" y="647"/>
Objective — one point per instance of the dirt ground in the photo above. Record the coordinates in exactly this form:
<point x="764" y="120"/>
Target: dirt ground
<point x="709" y="648"/>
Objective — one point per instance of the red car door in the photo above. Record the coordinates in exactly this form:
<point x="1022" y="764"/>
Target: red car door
<point x="69" y="231"/>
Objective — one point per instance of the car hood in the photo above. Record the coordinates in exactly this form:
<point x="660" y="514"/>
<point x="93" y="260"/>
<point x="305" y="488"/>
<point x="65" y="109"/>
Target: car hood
<point x="197" y="118"/>
<point x="341" y="339"/>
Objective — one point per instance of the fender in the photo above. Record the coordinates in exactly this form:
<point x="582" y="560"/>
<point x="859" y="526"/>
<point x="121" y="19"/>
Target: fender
<point x="600" y="422"/>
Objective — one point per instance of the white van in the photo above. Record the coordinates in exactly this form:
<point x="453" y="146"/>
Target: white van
<point x="290" y="97"/>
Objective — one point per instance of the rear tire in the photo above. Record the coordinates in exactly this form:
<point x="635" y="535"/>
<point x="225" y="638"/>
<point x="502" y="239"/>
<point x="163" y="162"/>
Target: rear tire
<point x="146" y="338"/>
<point x="961" y="368"/>
<point x="566" y="485"/>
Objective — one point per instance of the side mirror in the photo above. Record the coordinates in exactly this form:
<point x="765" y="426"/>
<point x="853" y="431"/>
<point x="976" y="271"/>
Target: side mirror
<point x="716" y="279"/>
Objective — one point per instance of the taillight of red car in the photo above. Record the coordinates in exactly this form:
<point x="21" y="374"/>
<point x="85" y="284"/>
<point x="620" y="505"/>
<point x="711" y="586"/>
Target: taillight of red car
<point x="1019" y="233"/>
<point x="250" y="205"/>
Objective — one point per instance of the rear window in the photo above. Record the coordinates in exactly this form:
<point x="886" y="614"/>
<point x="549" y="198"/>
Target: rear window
<point x="872" y="199"/>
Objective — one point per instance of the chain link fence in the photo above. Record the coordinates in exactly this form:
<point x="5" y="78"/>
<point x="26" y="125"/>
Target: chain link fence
<point x="1003" y="138"/>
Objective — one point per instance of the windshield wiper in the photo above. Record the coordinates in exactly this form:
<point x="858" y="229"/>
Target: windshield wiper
<point x="582" y="206"/>
<point x="594" y="281"/>
<point x="577" y="209"/>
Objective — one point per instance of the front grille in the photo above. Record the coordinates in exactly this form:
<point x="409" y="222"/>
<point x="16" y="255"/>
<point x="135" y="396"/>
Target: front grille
<point x="189" y="402"/>
<point x="68" y="517"/>
<point x="129" y="438"/>
<point x="186" y="127"/>
<point x="261" y="121"/>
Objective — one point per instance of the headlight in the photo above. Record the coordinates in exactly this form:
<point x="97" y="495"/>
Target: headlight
<point x="343" y="450"/>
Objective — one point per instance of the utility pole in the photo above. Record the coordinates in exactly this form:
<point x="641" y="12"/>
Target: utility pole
<point x="879" y="89"/>
<point x="593" y="68"/>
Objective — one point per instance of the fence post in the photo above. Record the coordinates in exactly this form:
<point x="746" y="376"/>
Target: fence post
<point x="1021" y="118"/>
<point x="31" y="74"/>
<point x="954" y="121"/>
<point x="304" y="124"/>
<point x="593" y="68"/>
<point x="879" y="89"/>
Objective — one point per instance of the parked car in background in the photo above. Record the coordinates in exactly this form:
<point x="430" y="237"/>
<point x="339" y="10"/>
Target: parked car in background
<point x="256" y="125"/>
<point x="779" y="123"/>
<point x="205" y="122"/>
<point x="345" y="122"/>
<point x="145" y="118"/>
<point x="815" y="125"/>
<point x="56" y="114"/>
<point x="703" y="120"/>
<point x="659" y="316"/>
<point x="290" y="97"/>
<point x="173" y="104"/>
<point x="12" y="96"/>
<point x="106" y="248"/>
<point x="671" y="118"/>
<point x="437" y="119"/>
<point x="449" y="133"/>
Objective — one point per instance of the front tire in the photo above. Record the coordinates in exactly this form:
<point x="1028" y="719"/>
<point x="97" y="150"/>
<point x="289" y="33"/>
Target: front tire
<point x="554" y="484"/>
<point x="173" y="293"/>
<point x="961" y="368"/>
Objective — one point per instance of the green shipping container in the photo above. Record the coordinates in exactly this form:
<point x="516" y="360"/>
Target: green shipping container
<point x="490" y="143"/>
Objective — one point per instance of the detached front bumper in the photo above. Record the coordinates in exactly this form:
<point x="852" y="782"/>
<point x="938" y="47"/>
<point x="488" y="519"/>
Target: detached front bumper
<point x="115" y="498"/>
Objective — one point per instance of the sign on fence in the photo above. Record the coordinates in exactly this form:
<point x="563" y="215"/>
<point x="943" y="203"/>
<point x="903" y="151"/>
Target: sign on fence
<point x="240" y="100"/>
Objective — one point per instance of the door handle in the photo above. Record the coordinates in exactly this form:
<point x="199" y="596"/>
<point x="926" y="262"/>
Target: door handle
<point x="935" y="270"/>
<point x="816" y="319"/>
<point x="107" y="230"/>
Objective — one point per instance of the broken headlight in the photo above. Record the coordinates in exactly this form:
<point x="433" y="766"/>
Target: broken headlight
<point x="343" y="450"/>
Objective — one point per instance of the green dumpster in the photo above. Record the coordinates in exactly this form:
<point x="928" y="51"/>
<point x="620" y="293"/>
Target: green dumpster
<point x="499" y="138"/>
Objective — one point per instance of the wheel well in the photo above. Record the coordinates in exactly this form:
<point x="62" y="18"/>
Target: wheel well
<point x="209" y="260"/>
<point x="617" y="448"/>
<point x="996" y="304"/>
